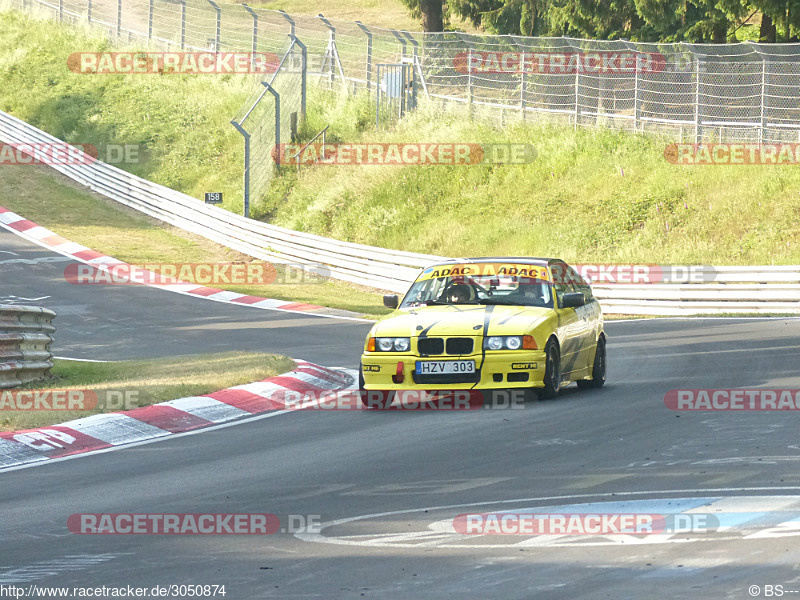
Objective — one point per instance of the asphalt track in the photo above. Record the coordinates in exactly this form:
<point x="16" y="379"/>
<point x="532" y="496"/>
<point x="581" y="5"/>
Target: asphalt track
<point x="391" y="479"/>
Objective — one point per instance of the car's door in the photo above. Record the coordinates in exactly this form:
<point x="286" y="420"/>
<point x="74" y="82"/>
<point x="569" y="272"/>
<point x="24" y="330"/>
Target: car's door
<point x="589" y="316"/>
<point x="571" y="327"/>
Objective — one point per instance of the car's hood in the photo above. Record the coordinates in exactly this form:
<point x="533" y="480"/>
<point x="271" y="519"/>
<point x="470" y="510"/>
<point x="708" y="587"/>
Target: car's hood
<point x="461" y="320"/>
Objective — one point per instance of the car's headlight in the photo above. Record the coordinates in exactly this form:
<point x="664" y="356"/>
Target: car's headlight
<point x="389" y="344"/>
<point x="494" y="343"/>
<point x="509" y="342"/>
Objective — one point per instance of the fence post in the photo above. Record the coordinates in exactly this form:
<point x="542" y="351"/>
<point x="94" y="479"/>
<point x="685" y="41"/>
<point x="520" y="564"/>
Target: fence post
<point x="219" y="25"/>
<point x="577" y="87"/>
<point x="369" y="53"/>
<point x="277" y="97"/>
<point x="469" y="80"/>
<point x="119" y="19"/>
<point x="522" y="84"/>
<point x="246" y="136"/>
<point x="183" y="24"/>
<point x="89" y="12"/>
<point x="150" y="11"/>
<point x="60" y="10"/>
<point x="303" y="89"/>
<point x="331" y="46"/>
<point x="763" y="129"/>
<point x="417" y="64"/>
<point x="697" y="129"/>
<point x="636" y="94"/>
<point x="291" y="21"/>
<point x="402" y="44"/>
<point x="255" y="27"/>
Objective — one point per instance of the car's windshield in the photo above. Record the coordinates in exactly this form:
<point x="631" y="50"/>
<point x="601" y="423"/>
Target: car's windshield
<point x="480" y="288"/>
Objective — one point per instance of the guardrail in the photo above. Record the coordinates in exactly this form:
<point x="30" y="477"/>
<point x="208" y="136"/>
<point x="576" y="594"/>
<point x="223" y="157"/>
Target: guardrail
<point x="356" y="263"/>
<point x="760" y="289"/>
<point x="25" y="338"/>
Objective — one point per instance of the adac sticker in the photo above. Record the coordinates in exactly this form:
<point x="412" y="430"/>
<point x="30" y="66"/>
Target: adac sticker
<point x="484" y="270"/>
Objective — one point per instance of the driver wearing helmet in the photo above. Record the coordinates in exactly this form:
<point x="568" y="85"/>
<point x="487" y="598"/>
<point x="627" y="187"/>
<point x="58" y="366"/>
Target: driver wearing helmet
<point x="459" y="294"/>
<point x="531" y="293"/>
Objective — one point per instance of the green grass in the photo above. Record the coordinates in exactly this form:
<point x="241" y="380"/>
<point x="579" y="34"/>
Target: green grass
<point x="590" y="195"/>
<point x="144" y="382"/>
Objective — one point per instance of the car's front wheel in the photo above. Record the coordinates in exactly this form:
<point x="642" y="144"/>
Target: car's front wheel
<point x="552" y="371"/>
<point x="598" y="368"/>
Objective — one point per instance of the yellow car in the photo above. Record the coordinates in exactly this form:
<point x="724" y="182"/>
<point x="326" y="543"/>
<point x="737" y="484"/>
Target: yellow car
<point x="487" y="324"/>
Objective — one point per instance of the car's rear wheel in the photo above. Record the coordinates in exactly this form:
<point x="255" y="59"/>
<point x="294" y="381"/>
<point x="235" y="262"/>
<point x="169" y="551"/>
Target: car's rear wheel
<point x="552" y="371"/>
<point x="598" y="368"/>
<point x="373" y="399"/>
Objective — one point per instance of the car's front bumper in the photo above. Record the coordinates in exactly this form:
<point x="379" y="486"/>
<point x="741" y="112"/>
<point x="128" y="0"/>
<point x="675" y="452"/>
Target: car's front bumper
<point x="497" y="369"/>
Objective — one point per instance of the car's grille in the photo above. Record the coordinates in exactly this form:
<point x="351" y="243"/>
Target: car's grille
<point x="430" y="346"/>
<point x="458" y="345"/>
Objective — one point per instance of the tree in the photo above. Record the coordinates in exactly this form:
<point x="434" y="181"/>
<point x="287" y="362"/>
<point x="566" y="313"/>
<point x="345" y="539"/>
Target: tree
<point x="783" y="15"/>
<point x="517" y="17"/>
<point x="431" y="11"/>
<point x="596" y="19"/>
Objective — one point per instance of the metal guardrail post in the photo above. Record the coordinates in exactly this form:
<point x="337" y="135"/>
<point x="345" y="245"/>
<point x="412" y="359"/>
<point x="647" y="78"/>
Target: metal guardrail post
<point x="150" y="11"/>
<point x="119" y="19"/>
<point x="246" y="136"/>
<point x="218" y="31"/>
<point x="89" y="11"/>
<point x="369" y="53"/>
<point x="60" y="11"/>
<point x="255" y="27"/>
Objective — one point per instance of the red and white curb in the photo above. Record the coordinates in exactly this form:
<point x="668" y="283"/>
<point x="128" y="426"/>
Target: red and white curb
<point x="109" y="430"/>
<point x="52" y="241"/>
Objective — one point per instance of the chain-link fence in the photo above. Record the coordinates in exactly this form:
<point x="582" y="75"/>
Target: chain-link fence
<point x="725" y="92"/>
<point x="270" y="118"/>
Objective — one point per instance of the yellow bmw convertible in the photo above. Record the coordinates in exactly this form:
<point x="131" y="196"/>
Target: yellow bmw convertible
<point x="487" y="324"/>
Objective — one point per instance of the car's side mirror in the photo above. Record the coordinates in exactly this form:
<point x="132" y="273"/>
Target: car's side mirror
<point x="572" y="300"/>
<point x="391" y="300"/>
